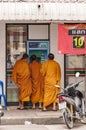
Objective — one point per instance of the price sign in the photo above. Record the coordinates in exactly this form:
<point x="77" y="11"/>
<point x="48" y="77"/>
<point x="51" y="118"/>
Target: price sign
<point x="78" y="42"/>
<point x="72" y="38"/>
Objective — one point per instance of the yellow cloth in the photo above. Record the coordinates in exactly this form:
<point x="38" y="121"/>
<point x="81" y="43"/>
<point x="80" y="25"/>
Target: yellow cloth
<point x="21" y="76"/>
<point x="37" y="82"/>
<point x="52" y="75"/>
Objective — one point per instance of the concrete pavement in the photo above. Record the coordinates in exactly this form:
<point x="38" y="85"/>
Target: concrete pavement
<point x="24" y="127"/>
<point x="12" y="116"/>
<point x="42" y="127"/>
<point x="31" y="119"/>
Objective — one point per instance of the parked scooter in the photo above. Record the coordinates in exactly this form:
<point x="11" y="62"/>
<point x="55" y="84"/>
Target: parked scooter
<point x="72" y="103"/>
<point x="1" y="112"/>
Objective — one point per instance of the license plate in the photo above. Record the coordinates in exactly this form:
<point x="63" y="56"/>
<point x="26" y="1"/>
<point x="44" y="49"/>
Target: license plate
<point x="62" y="105"/>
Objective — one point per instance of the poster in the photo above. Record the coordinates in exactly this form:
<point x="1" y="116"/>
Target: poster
<point x="72" y="38"/>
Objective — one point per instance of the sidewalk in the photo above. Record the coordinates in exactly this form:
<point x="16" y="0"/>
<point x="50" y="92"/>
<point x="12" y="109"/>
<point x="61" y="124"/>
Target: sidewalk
<point x="23" y="127"/>
<point x="12" y="116"/>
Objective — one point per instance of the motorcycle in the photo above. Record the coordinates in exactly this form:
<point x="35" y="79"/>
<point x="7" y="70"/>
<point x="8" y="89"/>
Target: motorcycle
<point x="1" y="112"/>
<point x="72" y="104"/>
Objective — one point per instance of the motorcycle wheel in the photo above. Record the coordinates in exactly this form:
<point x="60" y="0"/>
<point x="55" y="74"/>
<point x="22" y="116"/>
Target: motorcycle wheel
<point x="68" y="118"/>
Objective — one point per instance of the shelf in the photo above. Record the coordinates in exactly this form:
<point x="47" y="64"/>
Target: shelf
<point x="13" y="87"/>
<point x="16" y="41"/>
<point x="37" y="48"/>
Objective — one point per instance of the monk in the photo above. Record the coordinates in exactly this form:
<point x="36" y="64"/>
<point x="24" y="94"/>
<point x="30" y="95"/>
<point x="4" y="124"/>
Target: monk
<point x="37" y="82"/>
<point x="21" y="77"/>
<point x="52" y="75"/>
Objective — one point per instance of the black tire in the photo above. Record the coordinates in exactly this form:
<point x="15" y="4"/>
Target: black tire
<point x="68" y="118"/>
<point x="1" y="113"/>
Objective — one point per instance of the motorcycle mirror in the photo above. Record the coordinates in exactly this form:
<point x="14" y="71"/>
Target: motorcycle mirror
<point x="77" y="74"/>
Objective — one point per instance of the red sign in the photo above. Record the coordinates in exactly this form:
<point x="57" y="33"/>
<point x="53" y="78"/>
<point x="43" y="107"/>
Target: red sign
<point x="72" y="38"/>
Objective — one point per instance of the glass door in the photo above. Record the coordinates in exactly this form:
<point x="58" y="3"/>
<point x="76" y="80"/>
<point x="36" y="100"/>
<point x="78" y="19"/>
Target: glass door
<point x="16" y="46"/>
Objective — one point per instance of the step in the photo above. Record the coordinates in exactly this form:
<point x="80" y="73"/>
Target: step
<point x="35" y="116"/>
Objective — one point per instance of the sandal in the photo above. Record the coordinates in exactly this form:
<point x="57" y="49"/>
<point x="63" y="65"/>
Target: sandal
<point x="18" y="108"/>
<point x="22" y="108"/>
<point x="44" y="110"/>
<point x="54" y="109"/>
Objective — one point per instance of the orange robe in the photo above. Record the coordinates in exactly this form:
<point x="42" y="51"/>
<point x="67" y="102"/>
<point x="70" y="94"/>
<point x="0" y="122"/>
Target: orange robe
<point x="52" y="75"/>
<point x="21" y="76"/>
<point x="37" y="82"/>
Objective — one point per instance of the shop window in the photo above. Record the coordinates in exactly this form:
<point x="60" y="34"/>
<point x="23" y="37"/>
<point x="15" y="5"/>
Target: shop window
<point x="74" y="64"/>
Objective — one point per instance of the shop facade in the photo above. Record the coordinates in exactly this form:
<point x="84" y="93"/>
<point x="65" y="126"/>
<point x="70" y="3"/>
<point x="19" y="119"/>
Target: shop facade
<point x="15" y="35"/>
<point x="15" y="38"/>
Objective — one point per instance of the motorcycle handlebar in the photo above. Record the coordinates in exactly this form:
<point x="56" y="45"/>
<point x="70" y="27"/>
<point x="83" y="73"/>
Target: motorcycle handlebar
<point x="73" y="85"/>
